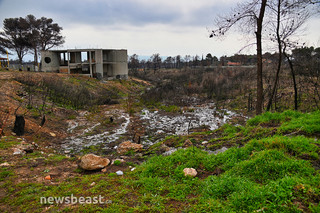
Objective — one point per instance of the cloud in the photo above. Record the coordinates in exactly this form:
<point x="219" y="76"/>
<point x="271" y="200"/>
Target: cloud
<point x="168" y="27"/>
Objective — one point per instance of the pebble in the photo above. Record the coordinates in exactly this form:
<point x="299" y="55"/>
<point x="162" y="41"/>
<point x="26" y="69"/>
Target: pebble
<point x="53" y="134"/>
<point x="119" y="173"/>
<point x="93" y="183"/>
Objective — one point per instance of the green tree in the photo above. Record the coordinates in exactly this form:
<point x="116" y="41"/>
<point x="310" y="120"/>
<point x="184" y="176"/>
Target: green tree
<point x="30" y="33"/>
<point x="15" y="36"/>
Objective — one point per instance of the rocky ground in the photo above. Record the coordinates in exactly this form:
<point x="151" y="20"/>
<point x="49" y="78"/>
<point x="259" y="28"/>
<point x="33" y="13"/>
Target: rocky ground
<point x="123" y="150"/>
<point x="72" y="133"/>
<point x="124" y="134"/>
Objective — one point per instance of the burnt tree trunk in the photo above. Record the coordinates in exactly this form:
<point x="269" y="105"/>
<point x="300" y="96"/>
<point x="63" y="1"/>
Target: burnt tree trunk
<point x="274" y="89"/>
<point x="294" y="81"/>
<point x="19" y="125"/>
<point x="259" y="103"/>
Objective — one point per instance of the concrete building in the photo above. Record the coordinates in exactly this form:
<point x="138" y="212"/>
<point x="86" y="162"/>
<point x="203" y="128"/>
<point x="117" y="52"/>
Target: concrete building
<point x="98" y="63"/>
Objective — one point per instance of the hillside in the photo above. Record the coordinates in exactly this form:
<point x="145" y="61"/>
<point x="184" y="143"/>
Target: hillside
<point x="267" y="163"/>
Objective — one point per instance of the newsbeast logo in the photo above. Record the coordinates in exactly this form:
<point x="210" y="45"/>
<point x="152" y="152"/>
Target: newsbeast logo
<point x="73" y="200"/>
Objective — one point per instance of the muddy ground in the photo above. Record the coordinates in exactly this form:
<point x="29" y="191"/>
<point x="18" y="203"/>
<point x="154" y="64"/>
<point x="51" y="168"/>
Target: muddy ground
<point x="68" y="134"/>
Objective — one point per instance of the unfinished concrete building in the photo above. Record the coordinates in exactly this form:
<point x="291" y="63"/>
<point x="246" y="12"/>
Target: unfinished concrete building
<point x="98" y="63"/>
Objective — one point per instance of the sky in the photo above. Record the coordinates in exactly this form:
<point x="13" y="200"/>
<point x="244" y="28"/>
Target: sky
<point x="143" y="27"/>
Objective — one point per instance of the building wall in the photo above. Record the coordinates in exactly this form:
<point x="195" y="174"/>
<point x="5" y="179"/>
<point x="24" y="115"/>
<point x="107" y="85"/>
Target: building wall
<point x="121" y="65"/>
<point x="50" y="61"/>
<point x="106" y="63"/>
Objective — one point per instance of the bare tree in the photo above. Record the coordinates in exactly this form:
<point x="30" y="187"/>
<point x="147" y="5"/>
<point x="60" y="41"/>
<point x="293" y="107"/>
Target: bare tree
<point x="290" y="15"/>
<point x="248" y="17"/>
<point x="134" y="63"/>
<point x="156" y="61"/>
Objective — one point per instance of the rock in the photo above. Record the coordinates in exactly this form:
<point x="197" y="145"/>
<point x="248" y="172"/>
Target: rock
<point x="93" y="183"/>
<point x="28" y="148"/>
<point x="164" y="148"/>
<point x="121" y="160"/>
<point x="187" y="143"/>
<point x="53" y="134"/>
<point x="223" y="149"/>
<point x="48" y="177"/>
<point x="170" y="152"/>
<point x="4" y="164"/>
<point x="104" y="170"/>
<point x="17" y="151"/>
<point x="190" y="172"/>
<point x="204" y="142"/>
<point x="126" y="146"/>
<point x="93" y="162"/>
<point x="119" y="173"/>
<point x="133" y="169"/>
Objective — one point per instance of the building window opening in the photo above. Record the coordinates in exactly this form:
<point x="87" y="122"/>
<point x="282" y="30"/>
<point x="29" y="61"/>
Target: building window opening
<point x="47" y="60"/>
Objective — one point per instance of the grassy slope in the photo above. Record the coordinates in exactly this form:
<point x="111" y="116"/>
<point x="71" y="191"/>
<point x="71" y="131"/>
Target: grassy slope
<point x="271" y="173"/>
<point x="272" y="166"/>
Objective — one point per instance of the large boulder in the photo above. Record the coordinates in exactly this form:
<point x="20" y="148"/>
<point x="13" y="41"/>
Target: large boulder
<point x="126" y="146"/>
<point x="93" y="162"/>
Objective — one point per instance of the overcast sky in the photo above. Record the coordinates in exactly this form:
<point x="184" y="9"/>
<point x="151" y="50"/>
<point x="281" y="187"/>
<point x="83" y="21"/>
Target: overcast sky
<point x="144" y="27"/>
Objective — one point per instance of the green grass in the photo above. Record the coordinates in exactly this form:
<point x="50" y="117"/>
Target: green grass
<point x="264" y="174"/>
<point x="290" y="121"/>
<point x="8" y="142"/>
<point x="270" y="171"/>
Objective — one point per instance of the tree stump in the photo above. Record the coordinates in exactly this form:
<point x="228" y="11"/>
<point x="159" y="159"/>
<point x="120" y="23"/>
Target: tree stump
<point x="19" y="125"/>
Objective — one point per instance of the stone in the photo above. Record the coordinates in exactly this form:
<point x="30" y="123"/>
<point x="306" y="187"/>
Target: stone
<point x="17" y="151"/>
<point x="121" y="160"/>
<point x="126" y="146"/>
<point x="164" y="148"/>
<point x="53" y="134"/>
<point x="4" y="164"/>
<point x="28" y="148"/>
<point x="93" y="183"/>
<point x="119" y="173"/>
<point x="93" y="162"/>
<point x="223" y="149"/>
<point x="170" y="152"/>
<point x="190" y="172"/>
<point x="187" y="143"/>
<point x="104" y="170"/>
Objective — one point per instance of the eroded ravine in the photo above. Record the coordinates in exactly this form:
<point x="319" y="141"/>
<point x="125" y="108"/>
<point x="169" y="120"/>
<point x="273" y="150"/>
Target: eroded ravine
<point x="155" y="123"/>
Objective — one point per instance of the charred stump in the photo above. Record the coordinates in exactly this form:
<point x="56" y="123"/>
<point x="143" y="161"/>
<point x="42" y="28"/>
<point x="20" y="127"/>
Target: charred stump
<point x="19" y="125"/>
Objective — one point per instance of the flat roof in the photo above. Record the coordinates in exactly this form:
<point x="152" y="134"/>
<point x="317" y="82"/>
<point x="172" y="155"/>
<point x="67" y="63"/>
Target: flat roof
<point x="81" y="50"/>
